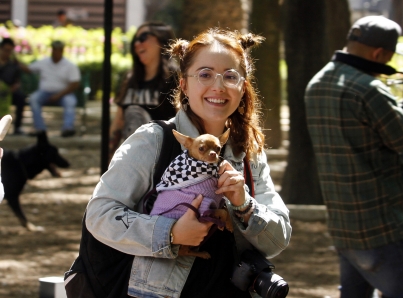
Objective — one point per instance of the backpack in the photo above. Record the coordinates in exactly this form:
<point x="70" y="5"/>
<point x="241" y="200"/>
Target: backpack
<point x="101" y="271"/>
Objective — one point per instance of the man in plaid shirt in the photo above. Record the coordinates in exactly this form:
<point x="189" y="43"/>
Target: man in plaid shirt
<point x="356" y="129"/>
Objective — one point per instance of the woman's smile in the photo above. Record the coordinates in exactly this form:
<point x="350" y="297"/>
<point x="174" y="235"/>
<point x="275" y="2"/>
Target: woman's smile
<point x="141" y="51"/>
<point x="219" y="101"/>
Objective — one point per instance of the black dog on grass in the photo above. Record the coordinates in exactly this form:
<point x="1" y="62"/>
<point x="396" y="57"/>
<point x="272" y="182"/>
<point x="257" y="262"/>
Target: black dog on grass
<point x="19" y="166"/>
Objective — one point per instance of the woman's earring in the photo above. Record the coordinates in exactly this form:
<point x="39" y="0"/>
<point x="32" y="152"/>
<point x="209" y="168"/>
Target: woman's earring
<point x="185" y="103"/>
<point x="241" y="108"/>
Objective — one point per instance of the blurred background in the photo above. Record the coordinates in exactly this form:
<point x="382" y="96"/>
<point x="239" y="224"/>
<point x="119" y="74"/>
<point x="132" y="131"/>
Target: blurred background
<point x="301" y="37"/>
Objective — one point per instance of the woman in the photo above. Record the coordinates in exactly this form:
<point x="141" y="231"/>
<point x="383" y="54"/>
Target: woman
<point x="146" y="92"/>
<point x="215" y="92"/>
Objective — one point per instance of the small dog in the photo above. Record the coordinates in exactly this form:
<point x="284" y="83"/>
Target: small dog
<point x="19" y="166"/>
<point x="194" y="172"/>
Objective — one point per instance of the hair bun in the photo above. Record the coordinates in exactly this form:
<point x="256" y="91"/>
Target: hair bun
<point x="179" y="47"/>
<point x="250" y="40"/>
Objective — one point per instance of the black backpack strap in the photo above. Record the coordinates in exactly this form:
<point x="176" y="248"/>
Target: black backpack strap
<point x="170" y="148"/>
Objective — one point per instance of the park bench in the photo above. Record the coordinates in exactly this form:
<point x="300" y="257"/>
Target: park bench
<point x="30" y="83"/>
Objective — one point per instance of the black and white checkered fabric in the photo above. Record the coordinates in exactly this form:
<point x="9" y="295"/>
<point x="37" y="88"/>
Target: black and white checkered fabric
<point x="185" y="171"/>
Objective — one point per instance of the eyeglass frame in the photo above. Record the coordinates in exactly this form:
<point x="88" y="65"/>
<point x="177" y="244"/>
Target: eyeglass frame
<point x="241" y="78"/>
<point x="143" y="37"/>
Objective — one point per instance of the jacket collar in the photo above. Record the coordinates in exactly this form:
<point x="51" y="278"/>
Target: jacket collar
<point x="362" y="64"/>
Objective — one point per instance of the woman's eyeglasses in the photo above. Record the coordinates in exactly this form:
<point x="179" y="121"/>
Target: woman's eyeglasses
<point x="143" y="37"/>
<point x="207" y="77"/>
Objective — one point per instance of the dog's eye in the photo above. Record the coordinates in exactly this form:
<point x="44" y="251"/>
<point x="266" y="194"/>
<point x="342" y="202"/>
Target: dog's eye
<point x="201" y="149"/>
<point x="218" y="149"/>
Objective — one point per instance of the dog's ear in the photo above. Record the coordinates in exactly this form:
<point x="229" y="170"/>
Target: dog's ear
<point x="224" y="137"/>
<point x="184" y="140"/>
<point x="42" y="138"/>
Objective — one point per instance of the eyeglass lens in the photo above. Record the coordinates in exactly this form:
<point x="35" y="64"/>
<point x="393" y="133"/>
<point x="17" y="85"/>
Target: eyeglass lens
<point x="142" y="37"/>
<point x="207" y="77"/>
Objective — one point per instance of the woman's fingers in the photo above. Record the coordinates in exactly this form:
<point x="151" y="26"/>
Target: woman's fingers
<point x="228" y="178"/>
<point x="233" y="178"/>
<point x="225" y="166"/>
<point x="188" y="230"/>
<point x="231" y="184"/>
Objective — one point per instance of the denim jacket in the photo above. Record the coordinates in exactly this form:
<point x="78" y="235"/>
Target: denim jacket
<point x="157" y="270"/>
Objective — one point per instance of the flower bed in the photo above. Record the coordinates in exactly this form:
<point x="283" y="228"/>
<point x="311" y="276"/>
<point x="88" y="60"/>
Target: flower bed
<point x="83" y="47"/>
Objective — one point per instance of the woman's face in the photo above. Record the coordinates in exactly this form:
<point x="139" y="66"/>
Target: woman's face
<point x="147" y="46"/>
<point x="214" y="103"/>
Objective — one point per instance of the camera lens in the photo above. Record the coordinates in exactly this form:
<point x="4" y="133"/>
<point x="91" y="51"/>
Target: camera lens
<point x="270" y="285"/>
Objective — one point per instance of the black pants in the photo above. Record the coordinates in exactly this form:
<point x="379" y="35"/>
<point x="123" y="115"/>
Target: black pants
<point x="18" y="98"/>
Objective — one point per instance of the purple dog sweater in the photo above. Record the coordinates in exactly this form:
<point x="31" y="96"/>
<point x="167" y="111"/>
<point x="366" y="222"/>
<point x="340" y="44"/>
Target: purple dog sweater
<point x="183" y="180"/>
<point x="169" y="198"/>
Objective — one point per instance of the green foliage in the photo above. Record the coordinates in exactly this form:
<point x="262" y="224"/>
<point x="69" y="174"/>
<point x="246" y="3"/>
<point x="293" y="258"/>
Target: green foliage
<point x="83" y="47"/>
<point x="396" y="81"/>
<point x="397" y="60"/>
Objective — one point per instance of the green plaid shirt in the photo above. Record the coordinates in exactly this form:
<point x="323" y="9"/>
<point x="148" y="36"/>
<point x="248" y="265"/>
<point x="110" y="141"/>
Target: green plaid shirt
<point x="356" y="129"/>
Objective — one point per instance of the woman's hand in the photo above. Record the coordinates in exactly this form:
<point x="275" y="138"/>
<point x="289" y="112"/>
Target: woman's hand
<point x="188" y="230"/>
<point x="231" y="184"/>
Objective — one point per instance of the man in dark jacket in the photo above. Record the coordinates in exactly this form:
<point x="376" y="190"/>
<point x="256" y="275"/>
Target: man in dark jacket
<point x="356" y="129"/>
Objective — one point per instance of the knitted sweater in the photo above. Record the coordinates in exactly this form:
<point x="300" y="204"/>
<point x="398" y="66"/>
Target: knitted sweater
<point x="183" y="180"/>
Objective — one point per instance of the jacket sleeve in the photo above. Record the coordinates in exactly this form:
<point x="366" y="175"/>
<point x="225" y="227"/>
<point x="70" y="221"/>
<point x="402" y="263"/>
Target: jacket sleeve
<point x="111" y="218"/>
<point x="269" y="228"/>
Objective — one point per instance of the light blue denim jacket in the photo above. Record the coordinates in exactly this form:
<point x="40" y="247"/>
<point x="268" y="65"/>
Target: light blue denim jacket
<point x="157" y="271"/>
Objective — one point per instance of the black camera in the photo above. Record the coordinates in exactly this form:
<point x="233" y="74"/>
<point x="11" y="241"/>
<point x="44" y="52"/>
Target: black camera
<point x="254" y="273"/>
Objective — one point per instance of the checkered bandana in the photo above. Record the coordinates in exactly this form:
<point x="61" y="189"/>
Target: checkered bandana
<point x="185" y="171"/>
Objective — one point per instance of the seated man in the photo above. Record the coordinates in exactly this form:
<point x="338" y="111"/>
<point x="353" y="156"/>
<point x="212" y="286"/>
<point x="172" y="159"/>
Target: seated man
<point x="61" y="19"/>
<point x="10" y="74"/>
<point x="58" y="79"/>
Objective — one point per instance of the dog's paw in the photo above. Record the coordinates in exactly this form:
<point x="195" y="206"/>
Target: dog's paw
<point x="230" y="228"/>
<point x="229" y="225"/>
<point x="204" y="255"/>
<point x="33" y="228"/>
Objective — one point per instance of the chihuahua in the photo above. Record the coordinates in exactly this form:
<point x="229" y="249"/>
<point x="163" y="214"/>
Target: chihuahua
<point x="206" y="149"/>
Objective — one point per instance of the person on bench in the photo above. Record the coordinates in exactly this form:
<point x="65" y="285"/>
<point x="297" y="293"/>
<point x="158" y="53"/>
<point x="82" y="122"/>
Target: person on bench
<point x="58" y="79"/>
<point x="10" y="73"/>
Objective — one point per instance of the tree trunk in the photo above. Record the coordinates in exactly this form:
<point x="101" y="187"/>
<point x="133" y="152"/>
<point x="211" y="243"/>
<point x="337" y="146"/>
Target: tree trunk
<point x="396" y="12"/>
<point x="307" y="34"/>
<point x="337" y="24"/>
<point x="152" y="7"/>
<point x="265" y="20"/>
<point x="199" y="15"/>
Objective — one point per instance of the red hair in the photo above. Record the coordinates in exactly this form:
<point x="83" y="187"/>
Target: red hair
<point x="246" y="132"/>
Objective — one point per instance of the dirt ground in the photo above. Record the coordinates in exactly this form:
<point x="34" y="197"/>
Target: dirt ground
<point x="309" y="264"/>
